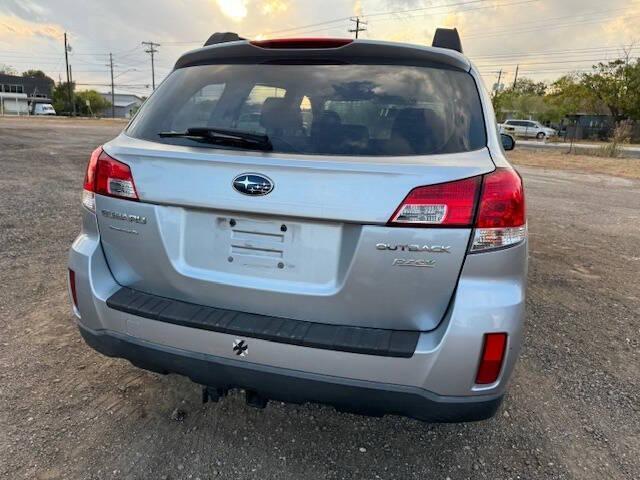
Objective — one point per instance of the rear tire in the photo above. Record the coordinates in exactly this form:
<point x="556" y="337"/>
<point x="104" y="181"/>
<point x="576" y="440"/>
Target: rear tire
<point x="541" y="135"/>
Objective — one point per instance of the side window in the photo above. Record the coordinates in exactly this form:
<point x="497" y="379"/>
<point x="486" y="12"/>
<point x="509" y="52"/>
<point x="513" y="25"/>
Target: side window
<point x="197" y="111"/>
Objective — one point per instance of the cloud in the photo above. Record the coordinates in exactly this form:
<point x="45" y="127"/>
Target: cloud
<point x="357" y="7"/>
<point x="496" y="34"/>
<point x="236" y="10"/>
<point x="13" y="28"/>
<point x="270" y="7"/>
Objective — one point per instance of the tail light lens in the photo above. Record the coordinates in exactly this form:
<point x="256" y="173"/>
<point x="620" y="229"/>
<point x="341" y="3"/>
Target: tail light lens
<point x="448" y="204"/>
<point x="500" y="219"/>
<point x="107" y="176"/>
<point x="493" y="350"/>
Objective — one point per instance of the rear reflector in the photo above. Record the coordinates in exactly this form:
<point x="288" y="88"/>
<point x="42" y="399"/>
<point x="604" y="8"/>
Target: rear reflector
<point x="300" y="43"/>
<point x="447" y="204"/>
<point x="493" y="352"/>
<point x="107" y="176"/>
<point x="72" y="288"/>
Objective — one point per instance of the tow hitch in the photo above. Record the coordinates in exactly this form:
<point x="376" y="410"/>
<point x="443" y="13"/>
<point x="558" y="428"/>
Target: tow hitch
<point x="214" y="394"/>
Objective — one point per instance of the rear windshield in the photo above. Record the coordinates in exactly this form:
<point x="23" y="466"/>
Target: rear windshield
<point x="321" y="109"/>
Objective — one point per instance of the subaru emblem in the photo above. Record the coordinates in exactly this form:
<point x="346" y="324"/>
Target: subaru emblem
<point x="252" y="184"/>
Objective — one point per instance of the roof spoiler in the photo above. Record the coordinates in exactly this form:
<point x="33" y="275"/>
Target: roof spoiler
<point x="447" y="38"/>
<point x="223" y="37"/>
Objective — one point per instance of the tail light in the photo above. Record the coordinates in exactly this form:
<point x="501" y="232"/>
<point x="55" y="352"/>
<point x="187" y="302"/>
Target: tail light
<point x="72" y="288"/>
<point x="494" y="204"/>
<point x="107" y="176"/>
<point x="501" y="219"/>
<point x="493" y="350"/>
<point x="446" y="204"/>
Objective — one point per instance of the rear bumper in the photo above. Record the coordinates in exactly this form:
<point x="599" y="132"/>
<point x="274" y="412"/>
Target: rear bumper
<point x="364" y="397"/>
<point x="438" y="377"/>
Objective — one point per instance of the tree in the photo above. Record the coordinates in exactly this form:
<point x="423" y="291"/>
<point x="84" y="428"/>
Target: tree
<point x="60" y="96"/>
<point x="524" y="99"/>
<point x="97" y="103"/>
<point x="526" y="86"/>
<point x="40" y="75"/>
<point x="615" y="84"/>
<point x="568" y="95"/>
<point x="7" y="69"/>
<point x="633" y="85"/>
<point x="35" y="74"/>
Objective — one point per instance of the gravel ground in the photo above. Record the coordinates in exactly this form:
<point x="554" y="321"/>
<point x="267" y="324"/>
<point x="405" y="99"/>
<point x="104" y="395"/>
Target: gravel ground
<point x="573" y="408"/>
<point x="539" y="157"/>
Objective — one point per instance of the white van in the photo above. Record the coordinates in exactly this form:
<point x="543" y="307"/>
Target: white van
<point x="43" y="109"/>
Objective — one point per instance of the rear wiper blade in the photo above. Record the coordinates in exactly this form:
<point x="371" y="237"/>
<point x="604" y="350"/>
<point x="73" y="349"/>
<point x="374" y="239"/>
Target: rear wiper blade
<point x="224" y="136"/>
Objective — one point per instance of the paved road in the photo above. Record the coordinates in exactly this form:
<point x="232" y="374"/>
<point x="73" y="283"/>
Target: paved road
<point x="573" y="409"/>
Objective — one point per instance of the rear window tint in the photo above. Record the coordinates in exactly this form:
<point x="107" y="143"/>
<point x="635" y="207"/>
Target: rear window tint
<point x="322" y="109"/>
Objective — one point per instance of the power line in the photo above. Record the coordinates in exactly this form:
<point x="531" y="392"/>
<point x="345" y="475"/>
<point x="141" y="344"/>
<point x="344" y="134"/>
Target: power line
<point x="585" y="60"/>
<point x="386" y="13"/>
<point x="573" y="52"/>
<point x="573" y="16"/>
<point x="543" y="28"/>
<point x="457" y="11"/>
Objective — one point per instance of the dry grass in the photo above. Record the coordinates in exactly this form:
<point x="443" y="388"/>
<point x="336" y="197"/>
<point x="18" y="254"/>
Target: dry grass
<point x="619" y="167"/>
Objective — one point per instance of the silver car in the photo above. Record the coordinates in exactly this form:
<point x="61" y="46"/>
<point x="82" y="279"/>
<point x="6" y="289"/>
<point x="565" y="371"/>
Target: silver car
<point x="328" y="221"/>
<point x="527" y="129"/>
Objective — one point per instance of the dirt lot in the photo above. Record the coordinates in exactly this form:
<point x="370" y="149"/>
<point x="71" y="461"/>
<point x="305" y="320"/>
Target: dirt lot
<point x="620" y="167"/>
<point x="573" y="408"/>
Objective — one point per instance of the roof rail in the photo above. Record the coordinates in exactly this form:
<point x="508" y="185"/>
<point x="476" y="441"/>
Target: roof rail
<point x="447" y="38"/>
<point x="223" y="37"/>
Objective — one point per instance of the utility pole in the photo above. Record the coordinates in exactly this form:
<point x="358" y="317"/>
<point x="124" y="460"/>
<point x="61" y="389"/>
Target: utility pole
<point x="73" y="103"/>
<point x="497" y="89"/>
<point x="358" y="29"/>
<point x="66" y="60"/>
<point x="515" y="80"/>
<point x="113" y="95"/>
<point x="152" y="50"/>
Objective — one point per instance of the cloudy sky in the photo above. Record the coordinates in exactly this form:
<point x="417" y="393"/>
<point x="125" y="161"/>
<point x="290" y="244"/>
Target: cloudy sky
<point x="546" y="38"/>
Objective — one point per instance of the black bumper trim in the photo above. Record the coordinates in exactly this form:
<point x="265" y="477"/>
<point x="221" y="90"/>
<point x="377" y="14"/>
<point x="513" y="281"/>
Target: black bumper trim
<point x="369" y="341"/>
<point x="355" y="396"/>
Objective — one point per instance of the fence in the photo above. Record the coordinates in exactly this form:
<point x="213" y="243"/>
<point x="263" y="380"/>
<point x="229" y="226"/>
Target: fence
<point x="601" y="133"/>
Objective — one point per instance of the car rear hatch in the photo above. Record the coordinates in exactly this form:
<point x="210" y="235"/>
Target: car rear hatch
<point x="317" y="242"/>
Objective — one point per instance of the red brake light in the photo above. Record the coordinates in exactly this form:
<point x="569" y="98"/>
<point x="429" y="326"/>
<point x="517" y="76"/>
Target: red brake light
<point x="90" y="175"/>
<point x="502" y="219"/>
<point x="302" y="42"/>
<point x="107" y="176"/>
<point x="72" y="287"/>
<point x="448" y="204"/>
<point x="493" y="350"/>
<point x="502" y="200"/>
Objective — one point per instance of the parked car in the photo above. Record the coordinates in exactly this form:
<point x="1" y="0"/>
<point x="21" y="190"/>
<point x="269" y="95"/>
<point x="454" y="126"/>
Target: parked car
<point x="527" y="129"/>
<point x="43" y="109"/>
<point x="375" y="261"/>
